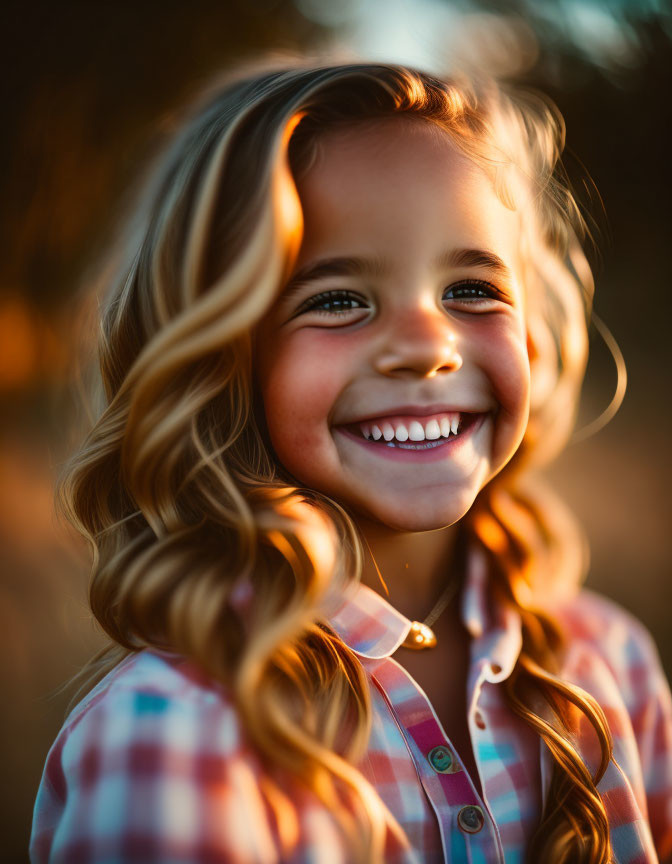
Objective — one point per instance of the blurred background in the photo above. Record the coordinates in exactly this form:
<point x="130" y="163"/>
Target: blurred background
<point x="89" y="89"/>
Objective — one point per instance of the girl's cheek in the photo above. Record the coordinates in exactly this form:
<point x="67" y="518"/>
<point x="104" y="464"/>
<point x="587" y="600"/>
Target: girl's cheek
<point x="297" y="404"/>
<point x="504" y="353"/>
<point x="303" y="376"/>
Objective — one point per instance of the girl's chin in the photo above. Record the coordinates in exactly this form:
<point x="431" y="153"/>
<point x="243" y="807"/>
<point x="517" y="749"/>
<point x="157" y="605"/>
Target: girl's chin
<point x="414" y="517"/>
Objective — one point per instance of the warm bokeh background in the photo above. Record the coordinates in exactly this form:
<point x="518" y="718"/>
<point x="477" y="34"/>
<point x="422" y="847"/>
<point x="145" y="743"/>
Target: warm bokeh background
<point x="88" y="89"/>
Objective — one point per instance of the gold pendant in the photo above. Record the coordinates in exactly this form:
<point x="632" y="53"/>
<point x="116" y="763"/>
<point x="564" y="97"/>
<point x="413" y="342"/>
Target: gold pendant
<point x="419" y="636"/>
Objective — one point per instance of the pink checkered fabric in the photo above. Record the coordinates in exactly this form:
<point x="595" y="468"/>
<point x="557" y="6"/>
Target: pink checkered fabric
<point x="153" y="766"/>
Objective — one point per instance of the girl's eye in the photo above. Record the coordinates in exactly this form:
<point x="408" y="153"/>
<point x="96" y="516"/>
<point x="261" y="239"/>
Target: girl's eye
<point x="332" y="303"/>
<point x="473" y="292"/>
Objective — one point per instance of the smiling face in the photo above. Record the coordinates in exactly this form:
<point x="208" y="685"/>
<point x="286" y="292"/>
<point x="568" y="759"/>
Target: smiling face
<point x="403" y="322"/>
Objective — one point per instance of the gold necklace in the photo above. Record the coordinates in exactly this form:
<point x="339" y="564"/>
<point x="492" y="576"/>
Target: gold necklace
<point x="421" y="635"/>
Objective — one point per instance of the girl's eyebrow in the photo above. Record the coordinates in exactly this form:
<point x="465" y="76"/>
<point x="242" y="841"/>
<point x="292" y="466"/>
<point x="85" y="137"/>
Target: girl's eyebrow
<point x="354" y="266"/>
<point x="473" y="258"/>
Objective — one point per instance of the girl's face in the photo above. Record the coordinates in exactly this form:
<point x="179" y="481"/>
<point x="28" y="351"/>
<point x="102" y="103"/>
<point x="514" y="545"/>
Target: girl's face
<point x="402" y="323"/>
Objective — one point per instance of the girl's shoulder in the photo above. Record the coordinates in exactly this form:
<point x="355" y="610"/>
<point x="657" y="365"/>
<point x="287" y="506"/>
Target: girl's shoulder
<point x="151" y="705"/>
<point x="590" y="618"/>
<point x="612" y="655"/>
<point x="154" y="765"/>
<point x="138" y="764"/>
<point x="154" y="682"/>
<point x="608" y="645"/>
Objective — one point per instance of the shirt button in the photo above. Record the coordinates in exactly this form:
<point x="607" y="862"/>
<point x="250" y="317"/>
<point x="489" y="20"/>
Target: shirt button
<point x="441" y="760"/>
<point x="478" y="720"/>
<point x="470" y="819"/>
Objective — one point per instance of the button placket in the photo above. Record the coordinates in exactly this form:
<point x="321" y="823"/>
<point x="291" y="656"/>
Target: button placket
<point x="448" y="792"/>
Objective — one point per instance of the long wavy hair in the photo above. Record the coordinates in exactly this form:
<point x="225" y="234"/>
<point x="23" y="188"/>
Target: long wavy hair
<point x="204" y="545"/>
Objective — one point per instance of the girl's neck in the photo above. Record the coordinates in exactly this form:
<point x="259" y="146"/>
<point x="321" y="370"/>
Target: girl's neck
<point x="415" y="566"/>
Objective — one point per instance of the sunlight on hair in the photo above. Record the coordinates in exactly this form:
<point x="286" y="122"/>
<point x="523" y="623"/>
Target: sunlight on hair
<point x="287" y="203"/>
<point x="285" y="813"/>
<point x="491" y="533"/>
<point x="612" y="408"/>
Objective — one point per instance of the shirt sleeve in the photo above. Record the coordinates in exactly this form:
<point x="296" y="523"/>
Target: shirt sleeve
<point x="647" y="694"/>
<point x="144" y="777"/>
<point x="606" y="638"/>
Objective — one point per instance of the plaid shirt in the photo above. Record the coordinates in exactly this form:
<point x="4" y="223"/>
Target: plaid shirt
<point x="153" y="766"/>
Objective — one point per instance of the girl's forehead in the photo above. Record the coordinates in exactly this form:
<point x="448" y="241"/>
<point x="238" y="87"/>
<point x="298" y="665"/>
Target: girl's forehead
<point x="388" y="139"/>
<point x="399" y="184"/>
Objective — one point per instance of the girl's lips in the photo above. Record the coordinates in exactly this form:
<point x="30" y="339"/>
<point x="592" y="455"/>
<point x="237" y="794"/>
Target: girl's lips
<point x="438" y="449"/>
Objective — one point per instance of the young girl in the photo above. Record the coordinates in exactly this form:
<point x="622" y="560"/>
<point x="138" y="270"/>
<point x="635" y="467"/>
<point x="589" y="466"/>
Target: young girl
<point x="348" y="320"/>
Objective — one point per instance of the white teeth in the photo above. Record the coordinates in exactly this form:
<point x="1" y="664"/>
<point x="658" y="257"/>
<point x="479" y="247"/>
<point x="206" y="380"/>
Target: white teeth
<point x="416" y="431"/>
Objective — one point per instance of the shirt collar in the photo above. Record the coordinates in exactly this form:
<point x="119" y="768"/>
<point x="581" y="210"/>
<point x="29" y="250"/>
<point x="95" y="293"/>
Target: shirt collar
<point x="374" y="629"/>
<point x="368" y="624"/>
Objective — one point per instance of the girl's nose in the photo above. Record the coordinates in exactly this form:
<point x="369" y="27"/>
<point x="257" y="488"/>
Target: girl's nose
<point x="423" y="343"/>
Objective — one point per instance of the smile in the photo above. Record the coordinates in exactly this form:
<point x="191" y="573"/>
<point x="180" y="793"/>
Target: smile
<point x="404" y="436"/>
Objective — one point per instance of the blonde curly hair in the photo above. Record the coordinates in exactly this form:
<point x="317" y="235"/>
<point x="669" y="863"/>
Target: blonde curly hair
<point x="178" y="491"/>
